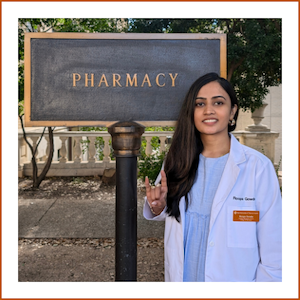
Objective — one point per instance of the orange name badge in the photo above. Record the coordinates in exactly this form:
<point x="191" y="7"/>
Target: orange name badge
<point x="246" y="215"/>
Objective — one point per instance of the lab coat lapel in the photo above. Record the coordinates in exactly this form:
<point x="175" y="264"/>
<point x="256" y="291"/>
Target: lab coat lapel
<point x="228" y="179"/>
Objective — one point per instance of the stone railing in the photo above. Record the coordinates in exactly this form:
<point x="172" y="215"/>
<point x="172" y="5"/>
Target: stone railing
<point x="70" y="157"/>
<point x="70" y="160"/>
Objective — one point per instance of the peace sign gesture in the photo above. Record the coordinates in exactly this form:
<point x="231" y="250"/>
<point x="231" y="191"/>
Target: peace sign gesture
<point x="156" y="195"/>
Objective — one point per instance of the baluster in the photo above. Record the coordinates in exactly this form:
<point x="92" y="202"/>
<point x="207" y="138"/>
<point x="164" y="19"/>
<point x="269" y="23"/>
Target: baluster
<point x="162" y="143"/>
<point x="20" y="168"/>
<point x="63" y="150"/>
<point x="148" y="147"/>
<point x="92" y="149"/>
<point x="48" y="147"/>
<point x="106" y="149"/>
<point x="77" y="150"/>
<point x="34" y="142"/>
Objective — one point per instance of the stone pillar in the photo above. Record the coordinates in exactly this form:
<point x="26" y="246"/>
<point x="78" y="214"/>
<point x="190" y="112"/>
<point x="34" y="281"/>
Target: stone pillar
<point x="77" y="150"/>
<point x="257" y="117"/>
<point x="63" y="150"/>
<point x="162" y="143"/>
<point x="263" y="142"/>
<point x="20" y="167"/>
<point x="92" y="149"/>
<point x="259" y="136"/>
<point x="148" y="146"/>
<point x="106" y="149"/>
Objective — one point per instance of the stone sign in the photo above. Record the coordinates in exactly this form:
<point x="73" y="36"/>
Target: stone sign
<point x="83" y="79"/>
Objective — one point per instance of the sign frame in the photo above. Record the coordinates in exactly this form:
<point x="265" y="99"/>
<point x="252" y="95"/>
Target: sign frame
<point x="128" y="36"/>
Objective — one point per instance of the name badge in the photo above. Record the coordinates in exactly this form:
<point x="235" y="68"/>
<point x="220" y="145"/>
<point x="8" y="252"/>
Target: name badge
<point x="246" y="215"/>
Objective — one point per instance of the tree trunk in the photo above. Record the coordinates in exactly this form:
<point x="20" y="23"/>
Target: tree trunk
<point x="233" y="67"/>
<point x="41" y="177"/>
<point x="36" y="180"/>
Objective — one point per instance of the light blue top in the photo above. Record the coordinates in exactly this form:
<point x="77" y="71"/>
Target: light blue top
<point x="197" y="217"/>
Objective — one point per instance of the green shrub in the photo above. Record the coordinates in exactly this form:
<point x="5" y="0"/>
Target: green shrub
<point x="150" y="166"/>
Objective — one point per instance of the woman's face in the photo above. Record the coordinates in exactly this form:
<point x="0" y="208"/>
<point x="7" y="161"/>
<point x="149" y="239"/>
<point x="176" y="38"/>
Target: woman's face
<point x="213" y="110"/>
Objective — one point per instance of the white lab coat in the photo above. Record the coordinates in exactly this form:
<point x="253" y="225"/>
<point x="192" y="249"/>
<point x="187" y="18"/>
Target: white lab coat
<point x="236" y="251"/>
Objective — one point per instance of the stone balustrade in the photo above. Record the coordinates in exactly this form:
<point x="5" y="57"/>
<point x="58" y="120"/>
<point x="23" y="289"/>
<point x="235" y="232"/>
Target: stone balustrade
<point x="85" y="163"/>
<point x="81" y="145"/>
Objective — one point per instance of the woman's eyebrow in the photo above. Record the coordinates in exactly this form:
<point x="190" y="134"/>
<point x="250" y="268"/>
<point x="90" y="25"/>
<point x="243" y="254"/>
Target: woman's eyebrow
<point x="214" y="97"/>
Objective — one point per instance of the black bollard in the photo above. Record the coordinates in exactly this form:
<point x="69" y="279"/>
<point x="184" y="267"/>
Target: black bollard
<point x="126" y="142"/>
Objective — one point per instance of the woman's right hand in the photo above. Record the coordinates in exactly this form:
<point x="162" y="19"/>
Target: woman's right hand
<point x="156" y="195"/>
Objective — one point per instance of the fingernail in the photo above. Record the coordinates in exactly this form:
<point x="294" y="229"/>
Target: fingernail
<point x="154" y="203"/>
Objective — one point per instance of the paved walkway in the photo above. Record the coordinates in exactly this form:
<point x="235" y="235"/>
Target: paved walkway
<point x="77" y="218"/>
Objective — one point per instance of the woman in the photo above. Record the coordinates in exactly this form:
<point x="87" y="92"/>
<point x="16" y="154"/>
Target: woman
<point x="220" y="200"/>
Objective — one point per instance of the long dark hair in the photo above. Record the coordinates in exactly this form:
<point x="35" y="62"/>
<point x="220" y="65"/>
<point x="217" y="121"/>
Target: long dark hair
<point x="183" y="157"/>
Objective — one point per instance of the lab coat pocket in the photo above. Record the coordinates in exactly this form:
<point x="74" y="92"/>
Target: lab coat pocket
<point x="240" y="234"/>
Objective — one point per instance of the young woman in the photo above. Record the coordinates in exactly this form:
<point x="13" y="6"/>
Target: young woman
<point x="220" y="200"/>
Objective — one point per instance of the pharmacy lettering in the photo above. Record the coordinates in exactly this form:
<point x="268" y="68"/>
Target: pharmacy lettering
<point x="82" y="79"/>
<point x="127" y="80"/>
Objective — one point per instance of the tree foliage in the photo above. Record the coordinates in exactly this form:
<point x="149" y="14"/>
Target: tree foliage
<point x="253" y="50"/>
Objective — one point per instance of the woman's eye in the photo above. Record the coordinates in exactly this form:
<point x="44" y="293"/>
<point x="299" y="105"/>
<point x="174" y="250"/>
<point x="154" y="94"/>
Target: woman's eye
<point x="200" y="104"/>
<point x="219" y="103"/>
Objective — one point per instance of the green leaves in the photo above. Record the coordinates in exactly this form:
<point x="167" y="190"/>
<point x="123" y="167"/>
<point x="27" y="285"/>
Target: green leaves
<point x="150" y="166"/>
<point x="254" y="58"/>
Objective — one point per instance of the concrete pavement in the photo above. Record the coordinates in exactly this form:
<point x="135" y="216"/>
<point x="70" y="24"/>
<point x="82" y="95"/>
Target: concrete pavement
<point x="64" y="217"/>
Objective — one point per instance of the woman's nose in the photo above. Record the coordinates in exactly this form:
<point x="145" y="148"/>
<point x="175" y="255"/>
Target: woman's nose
<point x="209" y="110"/>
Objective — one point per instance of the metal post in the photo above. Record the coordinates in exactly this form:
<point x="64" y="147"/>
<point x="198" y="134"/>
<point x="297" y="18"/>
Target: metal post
<point x="126" y="142"/>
